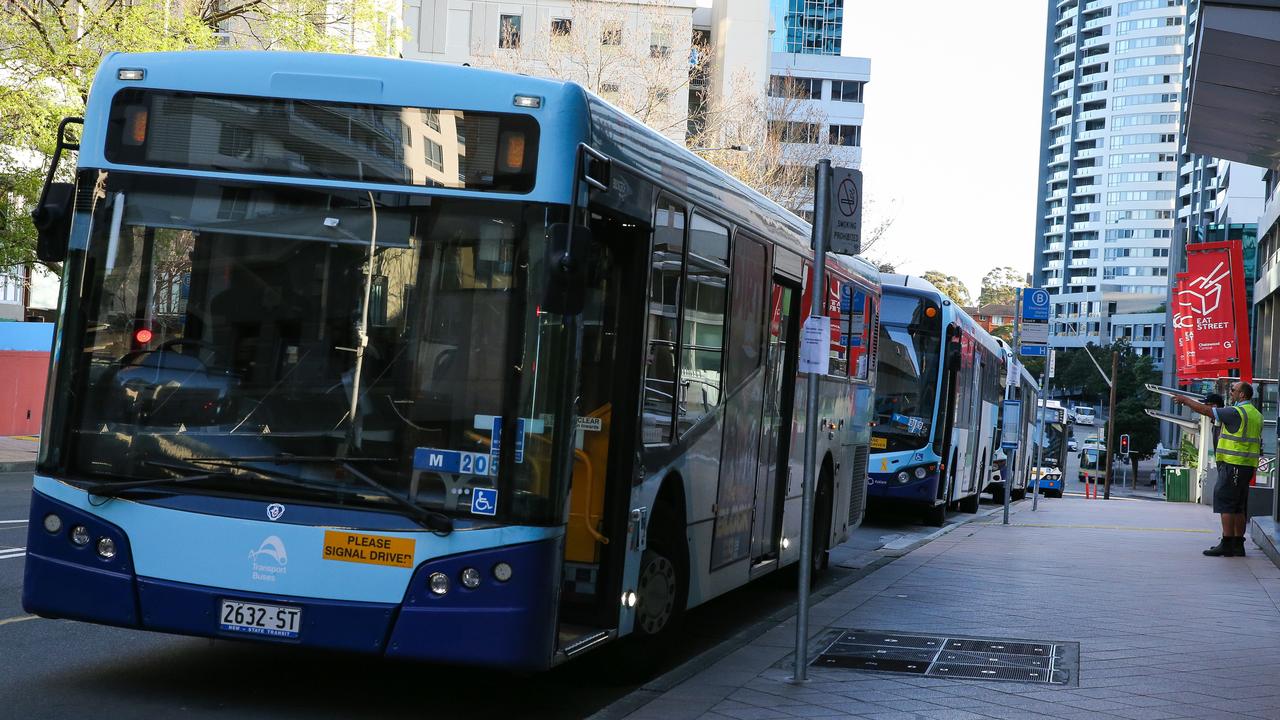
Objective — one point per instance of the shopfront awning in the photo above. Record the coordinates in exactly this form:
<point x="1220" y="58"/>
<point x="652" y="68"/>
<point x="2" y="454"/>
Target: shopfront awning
<point x="1235" y="87"/>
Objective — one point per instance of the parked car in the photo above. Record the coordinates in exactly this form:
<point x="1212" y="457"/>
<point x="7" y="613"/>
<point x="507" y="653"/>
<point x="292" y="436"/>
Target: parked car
<point x="1072" y="445"/>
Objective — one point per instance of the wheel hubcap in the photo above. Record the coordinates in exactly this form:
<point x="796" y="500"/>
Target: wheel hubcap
<point x="657" y="595"/>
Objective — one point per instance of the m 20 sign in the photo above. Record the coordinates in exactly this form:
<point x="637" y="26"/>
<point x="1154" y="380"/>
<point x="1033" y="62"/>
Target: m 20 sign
<point x="1210" y="320"/>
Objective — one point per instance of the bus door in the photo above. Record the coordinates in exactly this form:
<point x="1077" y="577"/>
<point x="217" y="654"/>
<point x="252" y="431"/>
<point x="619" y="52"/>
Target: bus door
<point x="948" y="400"/>
<point x="783" y="341"/>
<point x="607" y="410"/>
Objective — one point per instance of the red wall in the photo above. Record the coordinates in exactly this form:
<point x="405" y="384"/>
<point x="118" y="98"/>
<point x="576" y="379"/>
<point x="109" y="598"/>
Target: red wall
<point x="22" y="379"/>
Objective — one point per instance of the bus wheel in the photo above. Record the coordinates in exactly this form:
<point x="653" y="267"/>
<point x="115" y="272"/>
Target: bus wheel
<point x="821" y="556"/>
<point x="997" y="493"/>
<point x="936" y="516"/>
<point x="658" y="592"/>
<point x="969" y="504"/>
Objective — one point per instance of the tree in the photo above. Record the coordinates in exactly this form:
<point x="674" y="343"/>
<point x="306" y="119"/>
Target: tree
<point x="52" y="49"/>
<point x="768" y="138"/>
<point x="949" y="285"/>
<point x="999" y="286"/>
<point x="1133" y="374"/>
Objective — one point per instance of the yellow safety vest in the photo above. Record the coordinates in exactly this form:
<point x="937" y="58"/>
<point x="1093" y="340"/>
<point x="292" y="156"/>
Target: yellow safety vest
<point x="1244" y="446"/>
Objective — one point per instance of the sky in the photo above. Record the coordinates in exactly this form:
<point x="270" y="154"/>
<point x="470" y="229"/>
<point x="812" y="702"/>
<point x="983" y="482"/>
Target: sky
<point x="950" y="141"/>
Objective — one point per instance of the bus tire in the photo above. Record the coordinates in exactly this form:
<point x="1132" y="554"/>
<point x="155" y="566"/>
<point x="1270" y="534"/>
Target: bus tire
<point x="1017" y="494"/>
<point x="997" y="493"/>
<point x="821" y="556"/>
<point x="969" y="504"/>
<point x="936" y="516"/>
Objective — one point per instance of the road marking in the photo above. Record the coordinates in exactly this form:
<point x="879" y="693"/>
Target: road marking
<point x="13" y="522"/>
<point x="20" y="618"/>
<point x="12" y="553"/>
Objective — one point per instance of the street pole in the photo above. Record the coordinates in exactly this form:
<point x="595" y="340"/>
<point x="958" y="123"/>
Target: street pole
<point x="1007" y="477"/>
<point x="817" y="308"/>
<point x="1111" y="423"/>
<point x="1035" y="494"/>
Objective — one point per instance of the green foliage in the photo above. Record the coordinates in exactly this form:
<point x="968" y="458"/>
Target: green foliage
<point x="950" y="285"/>
<point x="1188" y="453"/>
<point x="1132" y="398"/>
<point x="999" y="285"/>
<point x="52" y="50"/>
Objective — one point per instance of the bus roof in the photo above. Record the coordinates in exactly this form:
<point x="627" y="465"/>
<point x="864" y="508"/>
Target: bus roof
<point x="899" y="284"/>
<point x="573" y="113"/>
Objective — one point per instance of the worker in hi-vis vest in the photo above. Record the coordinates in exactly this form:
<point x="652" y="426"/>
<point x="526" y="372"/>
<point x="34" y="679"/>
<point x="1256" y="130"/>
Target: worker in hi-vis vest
<point x="1239" y="448"/>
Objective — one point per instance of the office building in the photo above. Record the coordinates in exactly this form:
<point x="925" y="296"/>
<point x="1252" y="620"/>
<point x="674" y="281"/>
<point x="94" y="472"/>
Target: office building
<point x="810" y="27"/>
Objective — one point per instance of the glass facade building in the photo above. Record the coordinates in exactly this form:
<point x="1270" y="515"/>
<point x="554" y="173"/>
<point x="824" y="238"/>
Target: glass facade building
<point x="809" y="27"/>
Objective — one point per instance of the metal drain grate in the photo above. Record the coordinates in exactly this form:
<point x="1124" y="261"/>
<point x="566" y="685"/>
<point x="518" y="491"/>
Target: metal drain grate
<point x="944" y="656"/>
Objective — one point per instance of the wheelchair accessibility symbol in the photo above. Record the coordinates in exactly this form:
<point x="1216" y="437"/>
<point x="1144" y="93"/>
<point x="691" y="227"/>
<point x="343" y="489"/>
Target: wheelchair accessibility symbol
<point x="484" y="501"/>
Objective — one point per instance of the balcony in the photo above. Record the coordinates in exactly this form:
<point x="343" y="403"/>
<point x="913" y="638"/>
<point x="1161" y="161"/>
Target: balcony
<point x="1098" y="22"/>
<point x="1065" y="67"/>
<point x="1065" y="50"/>
<point x="1053" y="265"/>
<point x="1082" y="262"/>
<point x="1054" y="247"/>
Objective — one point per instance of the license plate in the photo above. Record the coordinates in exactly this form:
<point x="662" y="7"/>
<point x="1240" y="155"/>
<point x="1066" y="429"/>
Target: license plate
<point x="255" y="619"/>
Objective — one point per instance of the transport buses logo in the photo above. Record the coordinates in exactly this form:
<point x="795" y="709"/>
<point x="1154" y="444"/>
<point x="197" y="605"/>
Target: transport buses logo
<point x="269" y="560"/>
<point x="274" y="511"/>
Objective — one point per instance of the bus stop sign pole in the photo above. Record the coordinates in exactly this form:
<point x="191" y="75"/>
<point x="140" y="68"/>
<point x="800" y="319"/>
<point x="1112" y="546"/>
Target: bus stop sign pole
<point x="817" y="311"/>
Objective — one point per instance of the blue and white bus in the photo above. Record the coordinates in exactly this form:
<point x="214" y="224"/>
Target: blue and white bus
<point x="424" y="361"/>
<point x="1013" y="467"/>
<point x="939" y="386"/>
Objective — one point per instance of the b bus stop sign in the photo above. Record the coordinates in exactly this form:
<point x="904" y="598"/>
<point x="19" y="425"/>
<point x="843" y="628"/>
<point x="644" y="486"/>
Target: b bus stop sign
<point x="844" y="212"/>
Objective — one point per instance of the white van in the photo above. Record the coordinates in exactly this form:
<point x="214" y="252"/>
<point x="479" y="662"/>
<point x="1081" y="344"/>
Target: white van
<point x="1083" y="415"/>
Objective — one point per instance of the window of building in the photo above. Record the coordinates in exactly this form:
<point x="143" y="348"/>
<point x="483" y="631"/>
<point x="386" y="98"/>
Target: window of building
<point x="561" y="27"/>
<point x="659" y="43"/>
<point x="611" y="34"/>
<point x="1146" y="61"/>
<point x="234" y="204"/>
<point x="432" y="119"/>
<point x="609" y="90"/>
<point x="509" y="31"/>
<point x="847" y="90"/>
<point x="234" y="141"/>
<point x="434" y="154"/>
<point x="848" y="135"/>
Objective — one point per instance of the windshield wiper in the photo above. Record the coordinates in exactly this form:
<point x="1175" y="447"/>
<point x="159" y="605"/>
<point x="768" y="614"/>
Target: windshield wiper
<point x="429" y="519"/>
<point x="114" y="489"/>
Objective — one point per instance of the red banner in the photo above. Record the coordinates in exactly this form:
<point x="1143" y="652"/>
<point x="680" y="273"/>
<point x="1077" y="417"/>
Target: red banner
<point x="1211" y="322"/>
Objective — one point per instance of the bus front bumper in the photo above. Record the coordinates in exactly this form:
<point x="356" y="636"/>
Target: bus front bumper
<point x="887" y="486"/>
<point x="499" y="624"/>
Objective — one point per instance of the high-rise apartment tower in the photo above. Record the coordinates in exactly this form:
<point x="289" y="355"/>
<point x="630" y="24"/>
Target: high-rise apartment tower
<point x="1109" y="168"/>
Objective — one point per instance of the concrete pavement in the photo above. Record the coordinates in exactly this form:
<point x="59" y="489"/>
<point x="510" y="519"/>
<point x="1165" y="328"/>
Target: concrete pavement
<point x="1162" y="631"/>
<point x="18" y="454"/>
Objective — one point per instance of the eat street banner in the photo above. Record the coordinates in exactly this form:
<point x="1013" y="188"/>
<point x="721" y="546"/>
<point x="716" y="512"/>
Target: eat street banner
<point x="1211" y="322"/>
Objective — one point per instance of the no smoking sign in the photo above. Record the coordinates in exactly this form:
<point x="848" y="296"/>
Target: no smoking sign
<point x="844" y="215"/>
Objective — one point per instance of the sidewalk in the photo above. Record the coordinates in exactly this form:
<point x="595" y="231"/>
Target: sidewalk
<point x="18" y="454"/>
<point x="1162" y="631"/>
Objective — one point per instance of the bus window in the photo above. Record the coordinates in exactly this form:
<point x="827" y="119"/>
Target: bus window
<point x="702" y="342"/>
<point x="746" y="332"/>
<point x="664" y="308"/>
<point x="857" y="308"/>
<point x="837" y="311"/>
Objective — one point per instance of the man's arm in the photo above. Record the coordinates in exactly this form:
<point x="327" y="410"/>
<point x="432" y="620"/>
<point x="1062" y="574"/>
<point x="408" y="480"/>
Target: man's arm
<point x="1199" y="407"/>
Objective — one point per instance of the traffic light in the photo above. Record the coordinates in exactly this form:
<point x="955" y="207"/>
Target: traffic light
<point x="1124" y="444"/>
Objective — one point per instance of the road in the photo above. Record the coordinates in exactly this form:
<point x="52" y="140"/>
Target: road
<point x="60" y="668"/>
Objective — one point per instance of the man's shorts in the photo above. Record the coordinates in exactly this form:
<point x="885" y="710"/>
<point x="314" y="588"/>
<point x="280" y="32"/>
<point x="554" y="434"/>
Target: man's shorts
<point x="1231" y="494"/>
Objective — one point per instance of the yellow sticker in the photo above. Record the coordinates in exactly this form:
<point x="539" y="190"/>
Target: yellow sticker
<point x="368" y="549"/>
<point x="879" y="443"/>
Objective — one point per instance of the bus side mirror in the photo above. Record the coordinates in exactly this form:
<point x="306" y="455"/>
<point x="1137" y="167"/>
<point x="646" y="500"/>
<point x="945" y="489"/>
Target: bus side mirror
<point x="52" y="218"/>
<point x="567" y="259"/>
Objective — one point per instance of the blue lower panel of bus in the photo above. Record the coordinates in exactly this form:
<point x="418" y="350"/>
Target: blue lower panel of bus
<point x="886" y="486"/>
<point x="502" y="624"/>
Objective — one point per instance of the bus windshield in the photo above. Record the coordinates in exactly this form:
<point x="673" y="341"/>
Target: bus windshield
<point x="222" y="326"/>
<point x="907" y="375"/>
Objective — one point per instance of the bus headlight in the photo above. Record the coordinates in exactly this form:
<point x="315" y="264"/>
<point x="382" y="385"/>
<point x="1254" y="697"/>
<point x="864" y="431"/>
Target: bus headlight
<point x="903" y="477"/>
<point x="53" y="523"/>
<point x="502" y="572"/>
<point x="470" y="578"/>
<point x="106" y="548"/>
<point x="920" y="473"/>
<point x="80" y="535"/>
<point x="439" y="583"/>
